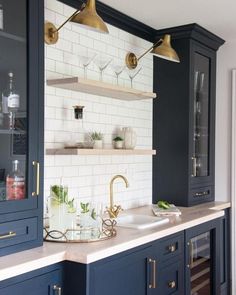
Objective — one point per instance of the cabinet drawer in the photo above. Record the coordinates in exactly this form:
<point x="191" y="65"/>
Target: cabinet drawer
<point x="171" y="279"/>
<point x="17" y="232"/>
<point x="171" y="247"/>
<point x="202" y="194"/>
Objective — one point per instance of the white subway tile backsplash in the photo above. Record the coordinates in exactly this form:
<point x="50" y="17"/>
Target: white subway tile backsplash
<point x="88" y="177"/>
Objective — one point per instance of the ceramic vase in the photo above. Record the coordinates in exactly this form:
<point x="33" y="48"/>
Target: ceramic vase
<point x="130" y="138"/>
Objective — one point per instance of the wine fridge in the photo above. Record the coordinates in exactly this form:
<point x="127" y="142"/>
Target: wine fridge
<point x="202" y="259"/>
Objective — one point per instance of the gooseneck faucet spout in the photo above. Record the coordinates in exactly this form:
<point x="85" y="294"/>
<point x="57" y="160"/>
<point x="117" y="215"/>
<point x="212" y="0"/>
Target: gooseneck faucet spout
<point x="114" y="210"/>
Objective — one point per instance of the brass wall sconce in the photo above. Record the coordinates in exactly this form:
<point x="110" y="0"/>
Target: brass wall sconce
<point x="162" y="48"/>
<point x="85" y="16"/>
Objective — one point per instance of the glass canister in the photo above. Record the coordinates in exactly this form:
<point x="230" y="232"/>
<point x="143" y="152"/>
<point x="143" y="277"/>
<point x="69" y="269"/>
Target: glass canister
<point x="62" y="210"/>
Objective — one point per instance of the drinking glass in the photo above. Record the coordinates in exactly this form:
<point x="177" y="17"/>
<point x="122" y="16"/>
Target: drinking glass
<point x="86" y="60"/>
<point x="90" y="220"/>
<point x="102" y="63"/>
<point x="118" y="69"/>
<point x="132" y="74"/>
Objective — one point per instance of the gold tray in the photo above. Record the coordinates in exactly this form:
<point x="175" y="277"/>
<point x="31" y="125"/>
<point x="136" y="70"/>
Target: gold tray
<point x="82" y="235"/>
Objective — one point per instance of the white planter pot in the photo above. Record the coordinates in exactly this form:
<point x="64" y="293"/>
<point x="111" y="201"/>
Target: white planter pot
<point x="97" y="144"/>
<point x="118" y="144"/>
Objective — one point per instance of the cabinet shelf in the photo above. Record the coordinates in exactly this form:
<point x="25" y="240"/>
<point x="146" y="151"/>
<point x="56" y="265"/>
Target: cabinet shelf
<point x="100" y="152"/>
<point x="12" y="37"/>
<point x="100" y="88"/>
<point x="5" y="131"/>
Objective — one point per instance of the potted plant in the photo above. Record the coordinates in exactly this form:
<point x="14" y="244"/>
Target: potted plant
<point x="97" y="138"/>
<point x="118" y="142"/>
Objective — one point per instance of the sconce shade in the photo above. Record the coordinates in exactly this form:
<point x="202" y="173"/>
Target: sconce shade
<point x="165" y="50"/>
<point x="88" y="17"/>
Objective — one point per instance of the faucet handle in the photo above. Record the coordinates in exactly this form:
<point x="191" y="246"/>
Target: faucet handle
<point x="114" y="211"/>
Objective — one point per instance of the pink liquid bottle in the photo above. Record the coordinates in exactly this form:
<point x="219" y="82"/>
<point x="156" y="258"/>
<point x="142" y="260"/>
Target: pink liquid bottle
<point x="15" y="183"/>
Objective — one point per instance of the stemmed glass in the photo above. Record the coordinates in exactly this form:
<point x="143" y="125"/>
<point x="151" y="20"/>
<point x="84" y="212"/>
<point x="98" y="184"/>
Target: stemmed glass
<point x="118" y="69"/>
<point x="86" y="60"/>
<point x="102" y="63"/>
<point x="132" y="74"/>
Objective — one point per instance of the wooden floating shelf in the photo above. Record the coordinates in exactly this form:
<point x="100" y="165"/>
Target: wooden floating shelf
<point x="101" y="152"/>
<point x="100" y="88"/>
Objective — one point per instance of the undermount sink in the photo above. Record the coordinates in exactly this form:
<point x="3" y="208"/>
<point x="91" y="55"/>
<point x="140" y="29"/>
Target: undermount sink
<point x="140" y="221"/>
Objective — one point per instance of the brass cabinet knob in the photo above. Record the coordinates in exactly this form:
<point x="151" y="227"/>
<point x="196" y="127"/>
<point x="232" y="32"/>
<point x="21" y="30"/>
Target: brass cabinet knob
<point x="172" y="248"/>
<point x="172" y="284"/>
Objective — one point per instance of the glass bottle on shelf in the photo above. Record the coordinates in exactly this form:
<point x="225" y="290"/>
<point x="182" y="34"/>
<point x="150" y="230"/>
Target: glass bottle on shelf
<point x="15" y="183"/>
<point x="10" y="103"/>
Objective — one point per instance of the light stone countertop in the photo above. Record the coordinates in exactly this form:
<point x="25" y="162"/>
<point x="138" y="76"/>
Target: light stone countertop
<point x="50" y="253"/>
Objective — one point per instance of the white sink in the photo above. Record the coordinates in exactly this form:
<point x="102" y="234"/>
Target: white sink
<point x="140" y="221"/>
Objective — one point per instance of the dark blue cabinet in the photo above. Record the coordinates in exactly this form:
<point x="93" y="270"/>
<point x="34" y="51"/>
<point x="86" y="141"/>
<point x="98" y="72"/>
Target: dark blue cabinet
<point x="133" y="274"/>
<point x="154" y="268"/>
<point x="189" y="262"/>
<point x="184" y="118"/>
<point x="46" y="281"/>
<point x="202" y="259"/>
<point x="21" y="125"/>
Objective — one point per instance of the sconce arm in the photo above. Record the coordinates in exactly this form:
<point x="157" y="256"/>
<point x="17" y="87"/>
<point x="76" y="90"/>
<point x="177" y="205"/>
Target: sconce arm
<point x="154" y="45"/>
<point x="65" y="22"/>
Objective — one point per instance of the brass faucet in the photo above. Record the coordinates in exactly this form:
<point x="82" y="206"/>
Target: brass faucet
<point x="114" y="210"/>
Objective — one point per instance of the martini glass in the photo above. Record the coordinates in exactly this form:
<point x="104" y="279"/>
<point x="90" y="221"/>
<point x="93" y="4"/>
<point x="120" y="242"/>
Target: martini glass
<point x="118" y="69"/>
<point x="102" y="63"/>
<point x="86" y="60"/>
<point x="132" y="74"/>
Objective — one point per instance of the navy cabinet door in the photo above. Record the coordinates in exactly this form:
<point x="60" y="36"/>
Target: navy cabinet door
<point x="202" y="259"/>
<point x="130" y="274"/>
<point x="21" y="125"/>
<point x="45" y="284"/>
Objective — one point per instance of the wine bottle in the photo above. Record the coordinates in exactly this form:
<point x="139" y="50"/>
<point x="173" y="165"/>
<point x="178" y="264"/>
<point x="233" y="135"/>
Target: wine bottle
<point x="10" y="103"/>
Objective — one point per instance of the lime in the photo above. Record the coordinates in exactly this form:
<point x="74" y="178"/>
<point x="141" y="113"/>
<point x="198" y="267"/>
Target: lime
<point x="163" y="204"/>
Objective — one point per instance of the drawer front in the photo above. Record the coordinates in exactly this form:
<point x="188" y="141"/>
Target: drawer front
<point x="17" y="232"/>
<point x="171" y="279"/>
<point x="201" y="195"/>
<point x="171" y="247"/>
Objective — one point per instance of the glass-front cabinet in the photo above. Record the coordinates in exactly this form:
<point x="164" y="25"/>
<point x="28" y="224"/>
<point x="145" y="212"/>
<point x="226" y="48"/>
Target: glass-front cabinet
<point x="184" y="118"/>
<point x="21" y="123"/>
<point x="202" y="259"/>
<point x="201" y="117"/>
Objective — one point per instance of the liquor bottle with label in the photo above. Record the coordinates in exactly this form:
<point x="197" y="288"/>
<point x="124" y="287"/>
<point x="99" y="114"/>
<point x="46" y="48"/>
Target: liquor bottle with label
<point x="15" y="183"/>
<point x="10" y="103"/>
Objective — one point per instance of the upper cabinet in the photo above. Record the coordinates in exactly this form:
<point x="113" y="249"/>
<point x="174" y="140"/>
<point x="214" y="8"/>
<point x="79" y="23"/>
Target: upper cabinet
<point x="184" y="118"/>
<point x="21" y="124"/>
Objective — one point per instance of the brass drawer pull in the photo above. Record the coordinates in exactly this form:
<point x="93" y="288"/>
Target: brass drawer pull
<point x="172" y="248"/>
<point x="194" y="166"/>
<point x="10" y="234"/>
<point x="153" y="284"/>
<point x="172" y="285"/>
<point x="57" y="290"/>
<point x="35" y="163"/>
<point x="201" y="194"/>
<point x="191" y="249"/>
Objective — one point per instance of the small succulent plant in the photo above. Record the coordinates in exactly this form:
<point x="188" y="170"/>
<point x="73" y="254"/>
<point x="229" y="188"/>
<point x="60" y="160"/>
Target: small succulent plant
<point x="118" y="138"/>
<point x="96" y="136"/>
